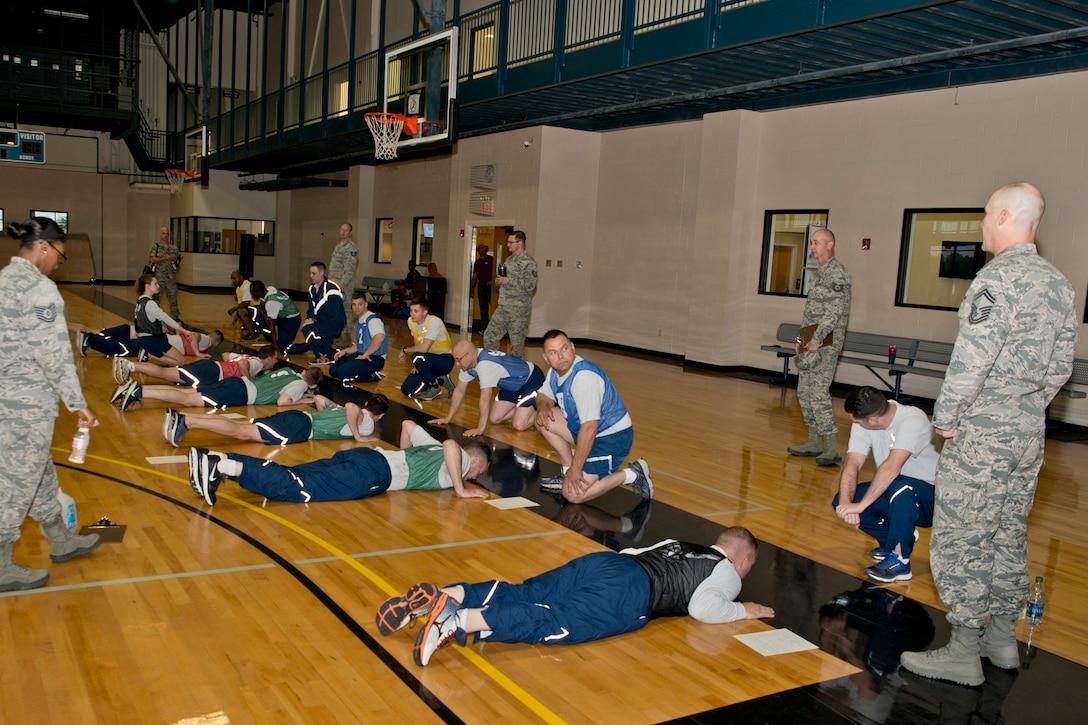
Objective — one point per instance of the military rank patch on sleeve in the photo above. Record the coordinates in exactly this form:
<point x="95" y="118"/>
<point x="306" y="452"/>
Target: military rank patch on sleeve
<point x="981" y="306"/>
<point x="47" y="313"/>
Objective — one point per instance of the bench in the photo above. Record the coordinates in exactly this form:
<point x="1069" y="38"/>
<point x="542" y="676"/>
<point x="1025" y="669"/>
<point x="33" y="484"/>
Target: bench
<point x="934" y="357"/>
<point x="377" y="287"/>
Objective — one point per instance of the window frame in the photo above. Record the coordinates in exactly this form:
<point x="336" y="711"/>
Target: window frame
<point x="766" y="250"/>
<point x="948" y="295"/>
<point x="378" y="231"/>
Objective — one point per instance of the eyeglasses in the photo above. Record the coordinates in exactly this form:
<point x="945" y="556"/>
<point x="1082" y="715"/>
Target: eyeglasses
<point x="459" y="359"/>
<point x="63" y="257"/>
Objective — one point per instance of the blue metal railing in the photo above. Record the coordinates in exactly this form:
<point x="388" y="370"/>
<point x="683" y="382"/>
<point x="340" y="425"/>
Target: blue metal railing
<point x="493" y="39"/>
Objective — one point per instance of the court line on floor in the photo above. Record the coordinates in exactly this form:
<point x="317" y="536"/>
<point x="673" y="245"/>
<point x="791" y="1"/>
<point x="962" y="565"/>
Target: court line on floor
<point x="432" y="547"/>
<point x="139" y="579"/>
<point x="512" y="688"/>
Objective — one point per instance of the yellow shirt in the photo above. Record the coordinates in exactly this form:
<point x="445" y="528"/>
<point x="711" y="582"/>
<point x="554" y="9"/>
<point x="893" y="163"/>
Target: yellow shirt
<point x="432" y="329"/>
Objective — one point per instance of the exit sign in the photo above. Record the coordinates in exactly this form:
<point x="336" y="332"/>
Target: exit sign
<point x="25" y="146"/>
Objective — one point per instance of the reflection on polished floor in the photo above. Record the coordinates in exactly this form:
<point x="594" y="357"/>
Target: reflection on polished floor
<point x="264" y="612"/>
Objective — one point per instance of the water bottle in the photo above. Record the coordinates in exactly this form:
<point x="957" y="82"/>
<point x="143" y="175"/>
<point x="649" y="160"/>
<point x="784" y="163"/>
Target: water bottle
<point x="1033" y="611"/>
<point x="502" y="271"/>
<point x="67" y="509"/>
<point x="80" y="442"/>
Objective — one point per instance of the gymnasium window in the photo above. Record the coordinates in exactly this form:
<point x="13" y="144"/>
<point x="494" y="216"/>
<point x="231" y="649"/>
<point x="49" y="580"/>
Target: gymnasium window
<point x="940" y="252"/>
<point x="60" y="217"/>
<point x="383" y="241"/>
<point x="787" y="266"/>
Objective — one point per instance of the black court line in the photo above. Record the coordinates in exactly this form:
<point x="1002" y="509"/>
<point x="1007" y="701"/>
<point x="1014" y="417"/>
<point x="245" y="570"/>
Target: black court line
<point x="431" y="700"/>
<point x="809" y="598"/>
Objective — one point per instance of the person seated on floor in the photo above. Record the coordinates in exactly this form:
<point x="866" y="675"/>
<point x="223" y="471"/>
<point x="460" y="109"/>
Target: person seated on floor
<point x="592" y="597"/>
<point x="282" y="386"/>
<point x="328" y="421"/>
<point x="422" y="463"/>
<point x="241" y="313"/>
<point x="516" y="380"/>
<point x="324" y="317"/>
<point x="900" y="496"/>
<point x="430" y="353"/>
<point x="199" y="372"/>
<point x="363" y="361"/>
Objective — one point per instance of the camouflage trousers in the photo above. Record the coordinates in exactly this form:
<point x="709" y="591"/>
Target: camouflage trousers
<point x="512" y="321"/>
<point x="978" y="552"/>
<point x="28" y="480"/>
<point x="814" y="394"/>
<point x="168" y="284"/>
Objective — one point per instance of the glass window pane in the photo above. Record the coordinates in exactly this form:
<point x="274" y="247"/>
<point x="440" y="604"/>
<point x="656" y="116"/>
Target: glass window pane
<point x="940" y="253"/>
<point x="786" y="268"/>
<point x="383" y="241"/>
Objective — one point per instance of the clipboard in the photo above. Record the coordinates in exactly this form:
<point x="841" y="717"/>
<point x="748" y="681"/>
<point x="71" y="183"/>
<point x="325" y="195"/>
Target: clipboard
<point x="804" y="336"/>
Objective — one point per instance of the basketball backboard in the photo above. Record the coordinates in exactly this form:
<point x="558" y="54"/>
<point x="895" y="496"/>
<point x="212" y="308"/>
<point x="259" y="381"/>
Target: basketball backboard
<point x="196" y="153"/>
<point x="421" y="82"/>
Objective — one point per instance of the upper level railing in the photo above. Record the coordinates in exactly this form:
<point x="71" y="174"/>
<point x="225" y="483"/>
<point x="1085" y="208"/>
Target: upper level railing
<point x="494" y="40"/>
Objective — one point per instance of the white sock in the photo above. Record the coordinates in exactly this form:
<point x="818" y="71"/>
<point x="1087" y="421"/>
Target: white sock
<point x="229" y="468"/>
<point x="629" y="476"/>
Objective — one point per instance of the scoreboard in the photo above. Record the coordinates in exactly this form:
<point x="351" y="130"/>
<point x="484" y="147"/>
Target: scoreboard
<point x="25" y="146"/>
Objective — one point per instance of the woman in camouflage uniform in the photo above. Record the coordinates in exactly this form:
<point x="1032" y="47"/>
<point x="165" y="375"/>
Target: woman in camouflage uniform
<point x="36" y="370"/>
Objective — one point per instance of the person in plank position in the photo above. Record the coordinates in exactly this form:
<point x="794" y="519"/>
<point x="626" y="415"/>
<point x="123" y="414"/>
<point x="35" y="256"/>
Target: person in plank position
<point x="592" y="597"/>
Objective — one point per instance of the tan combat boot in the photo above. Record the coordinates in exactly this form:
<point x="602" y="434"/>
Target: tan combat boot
<point x="958" y="661"/>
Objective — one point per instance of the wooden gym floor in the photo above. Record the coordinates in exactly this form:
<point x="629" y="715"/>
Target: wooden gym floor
<point x="261" y="612"/>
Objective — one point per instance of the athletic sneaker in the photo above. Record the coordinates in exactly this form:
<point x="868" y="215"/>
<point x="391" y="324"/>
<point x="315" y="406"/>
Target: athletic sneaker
<point x="397" y="612"/>
<point x="142" y="356"/>
<point x="134" y="393"/>
<point x="445" y="382"/>
<point x="250" y="337"/>
<point x="118" y="392"/>
<point x="430" y="393"/>
<point x="204" y="473"/>
<point x="167" y="421"/>
<point x="83" y="340"/>
<point x="879" y="554"/>
<point x="320" y="361"/>
<point x="892" y="569"/>
<point x="642" y="484"/>
<point x="377" y="377"/>
<point x="122" y="369"/>
<point x="552" y="483"/>
<point x="440" y="630"/>
<point x="177" y="429"/>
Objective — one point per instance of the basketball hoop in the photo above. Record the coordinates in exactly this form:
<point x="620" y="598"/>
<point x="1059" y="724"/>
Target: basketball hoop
<point x="386" y="128"/>
<point x="177" y="178"/>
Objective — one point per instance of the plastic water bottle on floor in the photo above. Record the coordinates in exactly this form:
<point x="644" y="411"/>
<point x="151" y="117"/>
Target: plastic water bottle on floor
<point x="1033" y="610"/>
<point x="67" y="509"/>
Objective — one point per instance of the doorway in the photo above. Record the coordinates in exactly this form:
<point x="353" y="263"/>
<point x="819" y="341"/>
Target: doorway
<point x="494" y="238"/>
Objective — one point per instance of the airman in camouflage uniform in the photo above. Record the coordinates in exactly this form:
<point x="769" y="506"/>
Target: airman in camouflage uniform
<point x="164" y="258"/>
<point x="36" y="368"/>
<point x="342" y="267"/>
<point x="827" y="307"/>
<point x="515" y="298"/>
<point x="1015" y="349"/>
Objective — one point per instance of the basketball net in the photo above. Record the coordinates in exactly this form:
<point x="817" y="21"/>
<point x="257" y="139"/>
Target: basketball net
<point x="177" y="178"/>
<point x="386" y="128"/>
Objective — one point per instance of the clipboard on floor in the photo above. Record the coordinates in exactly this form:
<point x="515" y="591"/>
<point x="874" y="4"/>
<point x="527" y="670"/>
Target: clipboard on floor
<point x="804" y="336"/>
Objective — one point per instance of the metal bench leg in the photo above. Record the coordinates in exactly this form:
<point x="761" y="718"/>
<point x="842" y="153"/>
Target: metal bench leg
<point x="785" y="368"/>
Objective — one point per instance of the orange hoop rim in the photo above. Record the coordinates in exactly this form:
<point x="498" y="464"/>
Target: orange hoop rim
<point x="180" y="172"/>
<point x="384" y="117"/>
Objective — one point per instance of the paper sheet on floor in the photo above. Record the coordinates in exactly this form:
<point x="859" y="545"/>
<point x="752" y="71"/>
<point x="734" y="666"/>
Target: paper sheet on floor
<point x="775" y="642"/>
